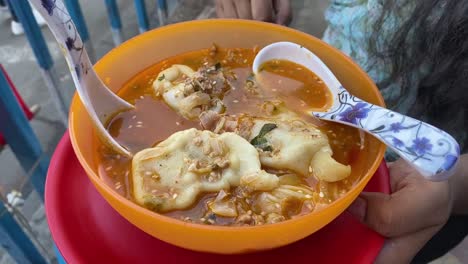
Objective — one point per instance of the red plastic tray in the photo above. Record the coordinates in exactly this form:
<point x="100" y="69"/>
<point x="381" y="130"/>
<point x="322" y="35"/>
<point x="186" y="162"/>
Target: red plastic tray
<point x="87" y="230"/>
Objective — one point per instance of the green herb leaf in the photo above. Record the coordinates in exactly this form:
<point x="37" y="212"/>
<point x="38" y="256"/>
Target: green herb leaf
<point x="260" y="141"/>
<point x="266" y="128"/>
<point x="257" y="141"/>
<point x="217" y="66"/>
<point x="267" y="148"/>
<point x="161" y="78"/>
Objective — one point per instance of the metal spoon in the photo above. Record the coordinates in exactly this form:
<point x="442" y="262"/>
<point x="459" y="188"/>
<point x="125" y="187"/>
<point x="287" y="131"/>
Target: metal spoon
<point x="99" y="101"/>
<point x="431" y="151"/>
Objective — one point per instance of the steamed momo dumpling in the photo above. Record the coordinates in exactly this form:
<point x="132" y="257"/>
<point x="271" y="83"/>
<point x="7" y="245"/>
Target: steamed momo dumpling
<point x="171" y="175"/>
<point x="300" y="147"/>
<point x="284" y="200"/>
<point x="324" y="167"/>
<point x="191" y="92"/>
<point x="285" y="144"/>
<point x="170" y="84"/>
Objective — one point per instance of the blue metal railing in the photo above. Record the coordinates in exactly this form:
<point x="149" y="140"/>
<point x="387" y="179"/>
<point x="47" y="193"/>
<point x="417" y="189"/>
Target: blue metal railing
<point x="115" y="23"/>
<point x="142" y="18"/>
<point x="23" y="142"/>
<point x="15" y="240"/>
<point x="41" y="51"/>
<point x="162" y="12"/>
<point x="74" y="9"/>
<point x="15" y="126"/>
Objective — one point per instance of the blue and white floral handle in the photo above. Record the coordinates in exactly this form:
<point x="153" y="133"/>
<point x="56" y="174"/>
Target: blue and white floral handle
<point x="99" y="101"/>
<point x="433" y="152"/>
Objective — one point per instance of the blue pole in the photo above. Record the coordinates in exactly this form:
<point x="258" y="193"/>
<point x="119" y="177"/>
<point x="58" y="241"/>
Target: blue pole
<point x="15" y="240"/>
<point x="114" y="19"/>
<point x="21" y="138"/>
<point x="162" y="12"/>
<point x="39" y="47"/>
<point x="33" y="32"/>
<point x="141" y="15"/>
<point x="73" y="7"/>
<point x="23" y="142"/>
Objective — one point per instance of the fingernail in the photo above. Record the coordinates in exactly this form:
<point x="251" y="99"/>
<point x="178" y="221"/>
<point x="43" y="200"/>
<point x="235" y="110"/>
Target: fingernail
<point x="358" y="208"/>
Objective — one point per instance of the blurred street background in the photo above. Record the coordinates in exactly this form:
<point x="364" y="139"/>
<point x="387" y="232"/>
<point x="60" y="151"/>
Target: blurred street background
<point x="17" y="58"/>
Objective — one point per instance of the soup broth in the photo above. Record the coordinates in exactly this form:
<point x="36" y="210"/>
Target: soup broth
<point x="299" y="90"/>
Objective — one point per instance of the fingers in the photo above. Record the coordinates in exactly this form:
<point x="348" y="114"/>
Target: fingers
<point x="243" y="9"/>
<point x="226" y="9"/>
<point x="283" y="12"/>
<point x="407" y="210"/>
<point x="358" y="209"/>
<point x="219" y="8"/>
<point x="398" y="171"/>
<point x="402" y="173"/>
<point x="278" y="11"/>
<point x="403" y="249"/>
<point x="409" y="216"/>
<point x="262" y="10"/>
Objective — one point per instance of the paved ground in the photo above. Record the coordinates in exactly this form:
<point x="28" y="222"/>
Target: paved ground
<point x="16" y="56"/>
<point x="20" y="63"/>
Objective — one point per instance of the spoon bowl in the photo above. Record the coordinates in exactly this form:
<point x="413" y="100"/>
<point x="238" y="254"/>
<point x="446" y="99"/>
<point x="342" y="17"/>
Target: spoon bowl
<point x="433" y="152"/>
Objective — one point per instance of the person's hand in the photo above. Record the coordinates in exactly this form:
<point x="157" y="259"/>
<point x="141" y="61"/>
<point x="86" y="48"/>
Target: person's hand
<point x="277" y="11"/>
<point x="408" y="217"/>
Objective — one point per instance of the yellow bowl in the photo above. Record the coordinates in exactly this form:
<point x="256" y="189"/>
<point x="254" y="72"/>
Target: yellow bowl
<point x="135" y="55"/>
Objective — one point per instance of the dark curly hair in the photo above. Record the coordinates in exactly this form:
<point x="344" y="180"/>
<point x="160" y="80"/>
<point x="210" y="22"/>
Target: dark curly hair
<point x="434" y="35"/>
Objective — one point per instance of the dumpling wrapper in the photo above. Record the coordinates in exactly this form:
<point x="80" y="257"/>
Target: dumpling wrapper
<point x="300" y="147"/>
<point x="171" y="86"/>
<point x="290" y="144"/>
<point x="283" y="199"/>
<point x="175" y="86"/>
<point x="171" y="175"/>
<point x="325" y="168"/>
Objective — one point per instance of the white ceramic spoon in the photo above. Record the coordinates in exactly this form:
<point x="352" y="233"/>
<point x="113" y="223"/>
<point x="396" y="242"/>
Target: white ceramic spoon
<point x="99" y="101"/>
<point x="433" y="152"/>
